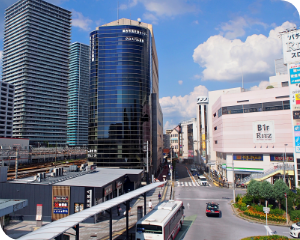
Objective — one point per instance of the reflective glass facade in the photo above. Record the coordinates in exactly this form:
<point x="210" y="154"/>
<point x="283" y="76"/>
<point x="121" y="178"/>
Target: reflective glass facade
<point x="120" y="88"/>
<point x="35" y="61"/>
<point x="78" y="95"/>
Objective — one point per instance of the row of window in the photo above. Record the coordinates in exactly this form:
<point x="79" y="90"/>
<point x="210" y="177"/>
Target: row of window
<point x="257" y="107"/>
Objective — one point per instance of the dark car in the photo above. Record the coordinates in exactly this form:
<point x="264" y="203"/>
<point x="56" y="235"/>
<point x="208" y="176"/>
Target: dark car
<point x="212" y="209"/>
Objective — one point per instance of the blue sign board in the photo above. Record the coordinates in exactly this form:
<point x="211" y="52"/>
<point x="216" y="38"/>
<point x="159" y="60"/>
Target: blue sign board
<point x="297" y="141"/>
<point x="60" y="210"/>
<point x="295" y="75"/>
<point x="297" y="128"/>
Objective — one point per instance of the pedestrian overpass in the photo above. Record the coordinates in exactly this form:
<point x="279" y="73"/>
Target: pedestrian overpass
<point x="276" y="170"/>
<point x="57" y="228"/>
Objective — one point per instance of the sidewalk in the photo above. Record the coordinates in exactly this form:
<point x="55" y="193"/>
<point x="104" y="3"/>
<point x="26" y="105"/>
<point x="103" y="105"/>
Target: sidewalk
<point x="99" y="230"/>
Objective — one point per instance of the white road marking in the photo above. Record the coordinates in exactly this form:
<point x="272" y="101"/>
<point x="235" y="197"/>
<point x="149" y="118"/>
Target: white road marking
<point x="204" y="199"/>
<point x="190" y="184"/>
<point x="182" y="184"/>
<point x="186" y="184"/>
<point x="178" y="184"/>
<point x="194" y="184"/>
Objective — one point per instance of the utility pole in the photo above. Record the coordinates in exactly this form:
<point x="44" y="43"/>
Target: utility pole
<point x="147" y="166"/>
<point x="17" y="158"/>
<point x="233" y="180"/>
<point x="55" y="154"/>
<point x="284" y="163"/>
<point x="286" y="210"/>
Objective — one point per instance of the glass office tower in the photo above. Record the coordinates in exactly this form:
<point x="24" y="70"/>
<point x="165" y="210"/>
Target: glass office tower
<point x="78" y="95"/>
<point x="120" y="89"/>
<point x="35" y="61"/>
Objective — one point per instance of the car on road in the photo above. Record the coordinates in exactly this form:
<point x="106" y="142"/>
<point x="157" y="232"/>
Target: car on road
<point x="295" y="230"/>
<point x="212" y="209"/>
<point x="193" y="169"/>
<point x="202" y="180"/>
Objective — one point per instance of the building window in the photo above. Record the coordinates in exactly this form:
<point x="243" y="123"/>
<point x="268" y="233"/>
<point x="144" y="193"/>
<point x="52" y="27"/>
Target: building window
<point x="215" y="128"/>
<point x="215" y="114"/>
<point x="216" y="142"/>
<point x="285" y="84"/>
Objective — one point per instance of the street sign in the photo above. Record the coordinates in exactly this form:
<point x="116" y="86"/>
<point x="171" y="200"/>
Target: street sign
<point x="266" y="209"/>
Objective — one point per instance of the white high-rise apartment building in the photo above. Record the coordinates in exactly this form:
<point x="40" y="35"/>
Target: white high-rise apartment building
<point x="6" y="109"/>
<point x="35" y="60"/>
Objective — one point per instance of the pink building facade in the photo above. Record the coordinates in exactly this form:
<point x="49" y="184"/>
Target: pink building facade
<point x="253" y="131"/>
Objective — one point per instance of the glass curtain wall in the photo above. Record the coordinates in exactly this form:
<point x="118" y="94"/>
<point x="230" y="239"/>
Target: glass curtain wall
<point x="120" y="86"/>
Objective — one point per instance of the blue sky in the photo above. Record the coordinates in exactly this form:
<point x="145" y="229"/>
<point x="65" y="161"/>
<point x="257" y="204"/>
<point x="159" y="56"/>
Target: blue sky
<point x="202" y="45"/>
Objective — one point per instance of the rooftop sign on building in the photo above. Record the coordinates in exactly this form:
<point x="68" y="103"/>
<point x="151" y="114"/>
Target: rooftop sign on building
<point x="202" y="100"/>
<point x="291" y="46"/>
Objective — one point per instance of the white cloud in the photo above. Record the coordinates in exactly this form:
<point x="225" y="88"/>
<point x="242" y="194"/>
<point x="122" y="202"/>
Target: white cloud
<point x="185" y="107"/>
<point x="225" y="59"/>
<point x="168" y="7"/>
<point x="159" y="8"/>
<point x="180" y="82"/>
<point x="196" y="22"/>
<point x="169" y="125"/>
<point x="132" y="3"/>
<point x="262" y="85"/>
<point x="234" y="28"/>
<point x="150" y="17"/>
<point x="78" y="20"/>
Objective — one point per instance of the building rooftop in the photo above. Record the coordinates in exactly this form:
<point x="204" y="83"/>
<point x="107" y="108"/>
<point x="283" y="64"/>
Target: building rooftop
<point x="8" y="206"/>
<point x="97" y="178"/>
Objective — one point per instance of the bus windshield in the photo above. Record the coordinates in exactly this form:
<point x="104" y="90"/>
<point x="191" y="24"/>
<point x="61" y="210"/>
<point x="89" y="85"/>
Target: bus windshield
<point x="149" y="228"/>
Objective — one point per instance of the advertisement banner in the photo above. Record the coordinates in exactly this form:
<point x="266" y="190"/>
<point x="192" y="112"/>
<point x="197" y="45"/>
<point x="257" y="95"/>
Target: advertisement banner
<point x="248" y="157"/>
<point x="263" y="132"/>
<point x="291" y="46"/>
<point x="294" y="73"/>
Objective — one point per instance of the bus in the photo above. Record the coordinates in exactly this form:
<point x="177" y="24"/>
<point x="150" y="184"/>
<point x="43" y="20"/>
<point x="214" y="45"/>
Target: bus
<point x="162" y="223"/>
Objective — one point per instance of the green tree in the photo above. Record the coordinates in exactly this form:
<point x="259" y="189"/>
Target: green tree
<point x="269" y="87"/>
<point x="253" y="189"/>
<point x="266" y="190"/>
<point x="280" y="188"/>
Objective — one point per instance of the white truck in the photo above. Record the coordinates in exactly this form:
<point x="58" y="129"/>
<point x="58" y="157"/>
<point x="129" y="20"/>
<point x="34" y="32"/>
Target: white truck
<point x="202" y="180"/>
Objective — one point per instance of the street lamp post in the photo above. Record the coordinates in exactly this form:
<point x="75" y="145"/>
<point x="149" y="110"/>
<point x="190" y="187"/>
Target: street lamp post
<point x="233" y="180"/>
<point x="284" y="163"/>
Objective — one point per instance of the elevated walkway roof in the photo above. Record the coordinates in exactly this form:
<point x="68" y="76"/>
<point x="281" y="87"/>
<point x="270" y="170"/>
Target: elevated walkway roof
<point x="58" y="227"/>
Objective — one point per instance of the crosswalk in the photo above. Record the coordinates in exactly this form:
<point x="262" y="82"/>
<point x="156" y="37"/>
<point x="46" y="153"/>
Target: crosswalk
<point x="188" y="184"/>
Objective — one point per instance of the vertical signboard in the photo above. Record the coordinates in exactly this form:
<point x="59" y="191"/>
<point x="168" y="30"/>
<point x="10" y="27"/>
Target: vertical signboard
<point x="60" y="202"/>
<point x="39" y="210"/>
<point x="88" y="197"/>
<point x="291" y="57"/>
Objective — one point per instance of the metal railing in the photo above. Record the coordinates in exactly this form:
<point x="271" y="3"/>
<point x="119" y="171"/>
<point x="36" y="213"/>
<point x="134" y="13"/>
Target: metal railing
<point x="267" y="172"/>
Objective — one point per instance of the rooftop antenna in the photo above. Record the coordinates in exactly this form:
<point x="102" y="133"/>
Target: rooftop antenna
<point x="118" y="13"/>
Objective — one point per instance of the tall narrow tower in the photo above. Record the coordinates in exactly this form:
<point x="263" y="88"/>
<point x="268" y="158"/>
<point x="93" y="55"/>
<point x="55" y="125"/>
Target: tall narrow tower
<point x="35" y="61"/>
<point x="78" y="102"/>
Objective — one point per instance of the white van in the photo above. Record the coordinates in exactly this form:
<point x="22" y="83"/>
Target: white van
<point x="202" y="180"/>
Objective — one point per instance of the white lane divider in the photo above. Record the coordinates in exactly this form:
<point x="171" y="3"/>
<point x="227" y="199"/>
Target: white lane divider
<point x="190" y="184"/>
<point x="186" y="184"/>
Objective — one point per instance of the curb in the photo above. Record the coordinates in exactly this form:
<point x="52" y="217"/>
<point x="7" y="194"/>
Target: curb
<point x="253" y="220"/>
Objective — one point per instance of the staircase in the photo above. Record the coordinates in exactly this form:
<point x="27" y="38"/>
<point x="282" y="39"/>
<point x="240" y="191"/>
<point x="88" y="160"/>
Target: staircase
<point x="279" y="169"/>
